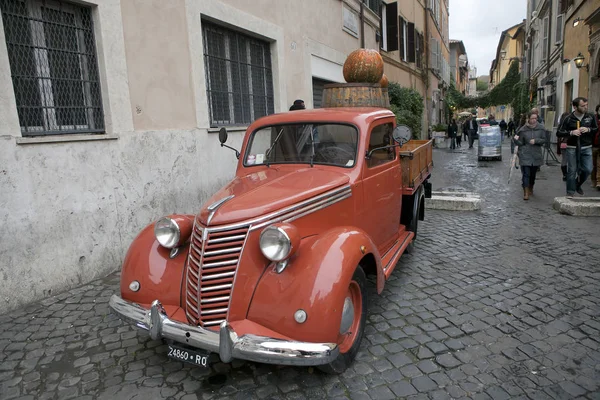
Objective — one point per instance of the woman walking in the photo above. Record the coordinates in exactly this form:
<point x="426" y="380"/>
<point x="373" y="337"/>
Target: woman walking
<point x="452" y="131"/>
<point x="530" y="138"/>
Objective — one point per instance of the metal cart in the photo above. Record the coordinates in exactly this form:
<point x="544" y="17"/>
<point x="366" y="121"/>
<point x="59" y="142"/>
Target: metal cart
<point x="490" y="143"/>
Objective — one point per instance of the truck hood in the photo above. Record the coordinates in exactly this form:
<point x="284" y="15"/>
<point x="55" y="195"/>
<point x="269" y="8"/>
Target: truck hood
<point x="266" y="191"/>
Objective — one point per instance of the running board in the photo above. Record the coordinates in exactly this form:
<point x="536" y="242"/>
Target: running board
<point x="393" y="255"/>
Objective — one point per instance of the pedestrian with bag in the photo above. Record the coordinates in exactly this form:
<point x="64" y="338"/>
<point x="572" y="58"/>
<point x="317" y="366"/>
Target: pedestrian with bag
<point x="579" y="128"/>
<point x="530" y="138"/>
<point x="561" y="145"/>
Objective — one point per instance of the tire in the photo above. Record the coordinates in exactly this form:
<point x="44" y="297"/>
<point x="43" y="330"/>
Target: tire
<point x="349" y="343"/>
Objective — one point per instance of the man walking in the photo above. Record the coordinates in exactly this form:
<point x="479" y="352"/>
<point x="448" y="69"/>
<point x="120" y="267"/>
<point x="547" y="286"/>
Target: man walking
<point x="471" y="128"/>
<point x="579" y="128"/>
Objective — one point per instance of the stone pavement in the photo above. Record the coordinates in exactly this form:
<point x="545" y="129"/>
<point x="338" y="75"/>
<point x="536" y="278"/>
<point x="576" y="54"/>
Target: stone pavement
<point x="496" y="304"/>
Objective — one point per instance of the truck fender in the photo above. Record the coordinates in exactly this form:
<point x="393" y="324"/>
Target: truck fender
<point x="147" y="262"/>
<point x="316" y="281"/>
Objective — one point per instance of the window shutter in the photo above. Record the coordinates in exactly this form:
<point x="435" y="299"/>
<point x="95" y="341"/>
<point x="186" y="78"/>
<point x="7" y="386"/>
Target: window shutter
<point x="392" y="26"/>
<point x="411" y="42"/>
<point x="545" y="38"/>
<point x="560" y="22"/>
<point x="401" y="28"/>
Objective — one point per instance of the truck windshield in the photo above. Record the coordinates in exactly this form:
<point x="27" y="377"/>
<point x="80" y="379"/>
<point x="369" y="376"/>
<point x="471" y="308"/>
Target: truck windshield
<point x="330" y="144"/>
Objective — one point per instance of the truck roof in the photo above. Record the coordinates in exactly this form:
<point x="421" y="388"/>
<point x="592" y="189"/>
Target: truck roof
<point x="353" y="115"/>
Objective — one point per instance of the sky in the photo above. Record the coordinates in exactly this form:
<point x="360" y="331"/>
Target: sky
<point x="479" y="23"/>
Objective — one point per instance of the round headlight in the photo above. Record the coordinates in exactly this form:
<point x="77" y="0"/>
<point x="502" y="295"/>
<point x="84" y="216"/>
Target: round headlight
<point x="167" y="232"/>
<point x="275" y="244"/>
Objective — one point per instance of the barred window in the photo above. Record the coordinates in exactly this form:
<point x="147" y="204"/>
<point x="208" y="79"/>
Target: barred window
<point x="239" y="80"/>
<point x="53" y="65"/>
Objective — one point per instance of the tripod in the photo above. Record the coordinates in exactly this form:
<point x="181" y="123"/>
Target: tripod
<point x="549" y="153"/>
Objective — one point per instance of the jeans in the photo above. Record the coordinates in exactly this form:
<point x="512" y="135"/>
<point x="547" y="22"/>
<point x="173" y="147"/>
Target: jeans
<point x="458" y="140"/>
<point x="577" y="174"/>
<point x="528" y="172"/>
<point x="453" y="143"/>
<point x="471" y="138"/>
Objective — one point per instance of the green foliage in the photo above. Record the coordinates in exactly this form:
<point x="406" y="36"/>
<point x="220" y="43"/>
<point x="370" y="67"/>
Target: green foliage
<point x="482" y="86"/>
<point x="439" y="128"/>
<point x="505" y="92"/>
<point x="408" y="106"/>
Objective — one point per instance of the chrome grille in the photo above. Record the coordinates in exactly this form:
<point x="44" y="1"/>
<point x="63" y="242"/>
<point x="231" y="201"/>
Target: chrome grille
<point x="211" y="269"/>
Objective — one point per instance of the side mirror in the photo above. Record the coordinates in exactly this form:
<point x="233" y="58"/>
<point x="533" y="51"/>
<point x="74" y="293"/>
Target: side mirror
<point x="401" y="134"/>
<point x="223" y="135"/>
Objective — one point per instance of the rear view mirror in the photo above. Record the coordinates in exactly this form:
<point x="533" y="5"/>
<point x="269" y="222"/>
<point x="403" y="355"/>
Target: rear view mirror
<point x="223" y="135"/>
<point x="401" y="134"/>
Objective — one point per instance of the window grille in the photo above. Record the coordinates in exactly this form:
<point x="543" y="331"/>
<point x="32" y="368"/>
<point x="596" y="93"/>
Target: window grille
<point x="54" y="67"/>
<point x="239" y="79"/>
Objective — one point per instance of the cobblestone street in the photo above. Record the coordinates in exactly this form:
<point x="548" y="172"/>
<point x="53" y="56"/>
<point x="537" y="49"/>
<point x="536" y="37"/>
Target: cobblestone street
<point x="497" y="304"/>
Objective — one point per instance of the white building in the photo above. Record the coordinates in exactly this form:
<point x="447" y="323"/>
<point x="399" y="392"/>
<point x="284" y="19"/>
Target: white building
<point x="109" y="110"/>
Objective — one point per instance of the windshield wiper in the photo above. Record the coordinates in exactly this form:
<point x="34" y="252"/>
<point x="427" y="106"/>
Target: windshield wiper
<point x="268" y="153"/>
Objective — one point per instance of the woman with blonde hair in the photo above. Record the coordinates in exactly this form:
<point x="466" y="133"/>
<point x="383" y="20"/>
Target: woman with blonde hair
<point x="530" y="138"/>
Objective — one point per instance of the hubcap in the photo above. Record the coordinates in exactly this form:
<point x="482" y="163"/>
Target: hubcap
<point x="347" y="316"/>
<point x="351" y="315"/>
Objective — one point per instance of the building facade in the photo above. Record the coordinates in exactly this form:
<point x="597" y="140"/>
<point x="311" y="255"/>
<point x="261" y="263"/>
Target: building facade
<point x="110" y="110"/>
<point x="472" y="82"/>
<point x="511" y="46"/>
<point x="436" y="24"/>
<point x="403" y="46"/>
<point x="558" y="33"/>
<point x="459" y="66"/>
<point x="581" y="39"/>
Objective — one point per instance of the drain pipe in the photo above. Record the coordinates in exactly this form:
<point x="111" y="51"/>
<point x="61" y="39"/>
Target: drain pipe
<point x="362" y="24"/>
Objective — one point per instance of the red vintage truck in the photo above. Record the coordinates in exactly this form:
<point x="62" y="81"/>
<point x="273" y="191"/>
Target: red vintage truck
<point x="273" y="267"/>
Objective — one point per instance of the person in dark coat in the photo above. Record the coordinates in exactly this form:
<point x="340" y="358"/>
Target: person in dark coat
<point x="511" y="127"/>
<point x="579" y="128"/>
<point x="452" y="132"/>
<point x="503" y="126"/>
<point x="530" y="138"/>
<point x="298" y="105"/>
<point x="471" y="129"/>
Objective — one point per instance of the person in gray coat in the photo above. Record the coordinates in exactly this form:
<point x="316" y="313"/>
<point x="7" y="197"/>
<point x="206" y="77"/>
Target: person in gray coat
<point x="530" y="138"/>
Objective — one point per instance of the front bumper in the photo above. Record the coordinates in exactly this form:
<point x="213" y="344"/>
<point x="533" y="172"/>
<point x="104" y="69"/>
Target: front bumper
<point x="225" y="342"/>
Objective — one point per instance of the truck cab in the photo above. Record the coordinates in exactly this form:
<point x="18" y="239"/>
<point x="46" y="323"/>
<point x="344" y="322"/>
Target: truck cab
<point x="273" y="266"/>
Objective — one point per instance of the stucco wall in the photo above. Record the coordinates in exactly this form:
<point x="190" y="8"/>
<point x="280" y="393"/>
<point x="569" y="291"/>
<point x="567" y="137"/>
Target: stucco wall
<point x="577" y="41"/>
<point x="71" y="204"/>
<point x="69" y="210"/>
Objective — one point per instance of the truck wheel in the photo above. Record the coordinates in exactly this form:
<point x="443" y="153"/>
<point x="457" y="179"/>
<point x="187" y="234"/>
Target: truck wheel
<point x="413" y="225"/>
<point x="352" y="327"/>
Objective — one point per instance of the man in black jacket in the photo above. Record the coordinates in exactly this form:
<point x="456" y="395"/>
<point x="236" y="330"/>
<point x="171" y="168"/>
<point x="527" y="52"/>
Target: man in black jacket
<point x="471" y="128"/>
<point x="579" y="128"/>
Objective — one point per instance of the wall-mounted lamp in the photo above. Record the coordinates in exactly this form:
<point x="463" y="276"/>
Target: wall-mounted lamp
<point x="576" y="21"/>
<point x="503" y="54"/>
<point x="579" y="62"/>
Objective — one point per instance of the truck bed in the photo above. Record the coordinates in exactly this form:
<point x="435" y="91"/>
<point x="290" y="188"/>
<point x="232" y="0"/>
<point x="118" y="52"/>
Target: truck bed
<point x="416" y="160"/>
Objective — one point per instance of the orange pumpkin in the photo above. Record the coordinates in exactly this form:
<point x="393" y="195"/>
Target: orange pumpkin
<point x="384" y="82"/>
<point x="363" y="65"/>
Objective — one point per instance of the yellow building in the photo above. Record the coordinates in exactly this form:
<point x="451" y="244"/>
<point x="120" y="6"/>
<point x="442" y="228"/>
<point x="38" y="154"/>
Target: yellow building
<point x="510" y="48"/>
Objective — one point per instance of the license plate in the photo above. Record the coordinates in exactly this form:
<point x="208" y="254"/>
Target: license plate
<point x="188" y="356"/>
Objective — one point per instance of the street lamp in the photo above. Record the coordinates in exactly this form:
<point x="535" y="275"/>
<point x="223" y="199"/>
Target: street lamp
<point x="579" y="62"/>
